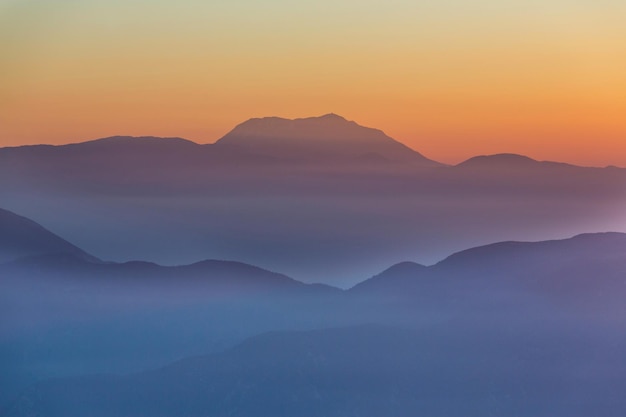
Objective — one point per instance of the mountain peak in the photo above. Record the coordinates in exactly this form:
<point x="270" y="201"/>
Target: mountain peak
<point x="332" y="116"/>
<point x="508" y="159"/>
<point x="317" y="127"/>
<point x="326" y="137"/>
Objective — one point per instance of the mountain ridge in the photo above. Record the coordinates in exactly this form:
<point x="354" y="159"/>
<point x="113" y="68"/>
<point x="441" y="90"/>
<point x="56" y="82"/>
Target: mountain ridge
<point x="21" y="237"/>
<point x="318" y="137"/>
<point x="610" y="242"/>
<point x="536" y="266"/>
<point x="243" y="135"/>
<point x="511" y="161"/>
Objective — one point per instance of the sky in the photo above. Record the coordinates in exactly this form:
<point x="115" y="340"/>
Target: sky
<point x="450" y="78"/>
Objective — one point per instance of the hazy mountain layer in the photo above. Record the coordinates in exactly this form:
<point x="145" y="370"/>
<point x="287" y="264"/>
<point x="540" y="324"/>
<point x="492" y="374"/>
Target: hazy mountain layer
<point x="64" y="315"/>
<point x="321" y="199"/>
<point x="364" y="371"/>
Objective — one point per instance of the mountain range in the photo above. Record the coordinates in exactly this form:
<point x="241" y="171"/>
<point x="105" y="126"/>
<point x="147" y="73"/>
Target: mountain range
<point x="145" y="313"/>
<point x="307" y="196"/>
<point x="360" y="371"/>
<point x="68" y="313"/>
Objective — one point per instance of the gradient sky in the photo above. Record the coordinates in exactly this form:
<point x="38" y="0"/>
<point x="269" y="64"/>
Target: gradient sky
<point x="451" y="78"/>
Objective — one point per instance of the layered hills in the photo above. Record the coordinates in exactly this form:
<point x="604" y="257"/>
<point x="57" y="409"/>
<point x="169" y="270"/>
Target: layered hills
<point x="515" y="306"/>
<point x="305" y="196"/>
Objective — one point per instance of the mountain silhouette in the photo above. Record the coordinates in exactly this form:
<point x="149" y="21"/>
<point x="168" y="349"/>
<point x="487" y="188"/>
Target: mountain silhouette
<point x="368" y="371"/>
<point x="66" y="312"/>
<point x="201" y="280"/>
<point x="41" y="262"/>
<point x="126" y="317"/>
<point x="604" y="246"/>
<point x="511" y="162"/>
<point x="21" y="237"/>
<point x="304" y="196"/>
<point x="511" y="328"/>
<point x="583" y="272"/>
<point x="318" y="138"/>
<point x="392" y="278"/>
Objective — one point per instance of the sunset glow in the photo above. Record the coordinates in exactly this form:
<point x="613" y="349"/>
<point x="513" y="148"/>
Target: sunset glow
<point x="451" y="79"/>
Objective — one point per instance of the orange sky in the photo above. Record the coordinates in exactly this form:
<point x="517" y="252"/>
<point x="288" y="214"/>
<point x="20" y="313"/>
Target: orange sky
<point x="452" y="80"/>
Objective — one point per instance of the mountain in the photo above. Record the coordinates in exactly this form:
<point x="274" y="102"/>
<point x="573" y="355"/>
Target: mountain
<point x="367" y="371"/>
<point x="329" y="137"/>
<point x="118" y="149"/>
<point x="498" y="314"/>
<point x="21" y="237"/>
<point x="508" y="161"/>
<point x="38" y="262"/>
<point x="117" y="162"/>
<point x="255" y="197"/>
<point x="65" y="312"/>
<point x="512" y="254"/>
<point x="391" y="278"/>
<point x="203" y="280"/>
<point x="65" y="316"/>
<point x="252" y="144"/>
<point x="585" y="272"/>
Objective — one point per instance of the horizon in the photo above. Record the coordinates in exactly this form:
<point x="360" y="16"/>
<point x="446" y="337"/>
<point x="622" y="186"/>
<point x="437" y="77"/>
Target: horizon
<point x="450" y="79"/>
<point x="335" y="209"/>
<point x="312" y="209"/>
<point x="470" y="157"/>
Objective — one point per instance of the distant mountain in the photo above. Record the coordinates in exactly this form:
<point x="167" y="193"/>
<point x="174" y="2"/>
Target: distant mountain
<point x="500" y="160"/>
<point x="121" y="148"/>
<point x="508" y="161"/>
<point x="305" y="196"/>
<point x="65" y="312"/>
<point x="267" y="141"/>
<point x="21" y="237"/>
<point x="251" y="150"/>
<point x="38" y="262"/>
<point x="585" y="271"/>
<point x="329" y="137"/>
<point x="118" y="162"/>
<point x="200" y="281"/>
<point x="600" y="246"/>
<point x="366" y="371"/>
<point x="392" y="278"/>
<point x="498" y="314"/>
